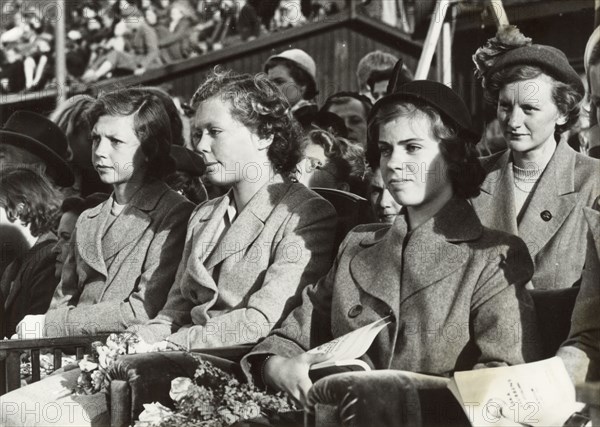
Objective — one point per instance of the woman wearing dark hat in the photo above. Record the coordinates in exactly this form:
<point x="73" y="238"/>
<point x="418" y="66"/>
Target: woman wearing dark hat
<point x="537" y="189"/>
<point x="125" y="251"/>
<point x="436" y="267"/>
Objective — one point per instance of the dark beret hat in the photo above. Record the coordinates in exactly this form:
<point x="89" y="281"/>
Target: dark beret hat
<point x="550" y="59"/>
<point x="187" y="160"/>
<point x="447" y="102"/>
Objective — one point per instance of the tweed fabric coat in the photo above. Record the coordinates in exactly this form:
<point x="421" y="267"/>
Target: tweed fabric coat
<point x="553" y="225"/>
<point x="108" y="291"/>
<point x="454" y="291"/>
<point x="581" y="351"/>
<point x="235" y="290"/>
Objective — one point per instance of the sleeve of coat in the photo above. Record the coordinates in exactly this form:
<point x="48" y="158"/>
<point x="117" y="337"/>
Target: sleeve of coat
<point x="152" y="48"/>
<point x="503" y="317"/>
<point x="181" y="32"/>
<point x="581" y="351"/>
<point x="298" y="332"/>
<point x="176" y="311"/>
<point x="147" y="297"/>
<point x="301" y="257"/>
<point x="67" y="291"/>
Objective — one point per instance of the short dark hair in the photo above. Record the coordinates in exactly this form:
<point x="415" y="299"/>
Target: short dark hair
<point x="464" y="168"/>
<point x="341" y="98"/>
<point x="150" y="120"/>
<point x="300" y="76"/>
<point x="259" y="105"/>
<point x="172" y="111"/>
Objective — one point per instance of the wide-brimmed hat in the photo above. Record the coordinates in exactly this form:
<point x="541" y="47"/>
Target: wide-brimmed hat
<point x="446" y="102"/>
<point x="42" y="137"/>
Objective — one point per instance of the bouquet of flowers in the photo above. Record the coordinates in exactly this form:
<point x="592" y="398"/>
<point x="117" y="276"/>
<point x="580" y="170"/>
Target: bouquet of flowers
<point x="213" y="398"/>
<point x="95" y="366"/>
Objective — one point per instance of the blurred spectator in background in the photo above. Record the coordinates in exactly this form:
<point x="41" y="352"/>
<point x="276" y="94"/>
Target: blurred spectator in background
<point x="591" y="137"/>
<point x="354" y="109"/>
<point x="248" y="21"/>
<point x="332" y="162"/>
<point x="27" y="284"/>
<point x="376" y="60"/>
<point x="294" y="72"/>
<point x="70" y="210"/>
<point x="175" y="43"/>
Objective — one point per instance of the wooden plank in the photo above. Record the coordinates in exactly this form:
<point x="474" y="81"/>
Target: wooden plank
<point x="63" y="342"/>
<point x="35" y="365"/>
<point x="57" y="358"/>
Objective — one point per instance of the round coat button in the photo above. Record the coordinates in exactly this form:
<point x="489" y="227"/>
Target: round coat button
<point x="546" y="216"/>
<point x="355" y="311"/>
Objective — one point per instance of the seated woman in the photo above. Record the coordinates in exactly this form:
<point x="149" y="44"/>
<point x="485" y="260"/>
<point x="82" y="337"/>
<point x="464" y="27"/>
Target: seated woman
<point x="537" y="189"/>
<point x="124" y="252"/>
<point x="581" y="351"/>
<point x="250" y="251"/>
<point x="332" y="162"/>
<point x="435" y="268"/>
<point x="27" y="284"/>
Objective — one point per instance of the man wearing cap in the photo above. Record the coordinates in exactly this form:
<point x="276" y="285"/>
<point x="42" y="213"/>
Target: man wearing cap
<point x="30" y="139"/>
<point x="295" y="73"/>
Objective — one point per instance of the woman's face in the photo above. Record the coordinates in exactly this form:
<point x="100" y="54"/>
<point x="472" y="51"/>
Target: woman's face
<point x="281" y="77"/>
<point x="232" y="152"/>
<point x="528" y="115"/>
<point x="315" y="168"/>
<point x="412" y="165"/>
<point x="116" y="150"/>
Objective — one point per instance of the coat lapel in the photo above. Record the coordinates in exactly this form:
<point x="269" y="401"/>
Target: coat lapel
<point x="249" y="223"/>
<point x="432" y="252"/>
<point x="495" y="203"/>
<point x="89" y="236"/>
<point x="555" y="193"/>
<point x="134" y="220"/>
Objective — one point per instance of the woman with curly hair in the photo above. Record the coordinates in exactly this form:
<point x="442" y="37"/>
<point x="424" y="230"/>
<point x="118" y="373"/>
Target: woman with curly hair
<point x="250" y="251"/>
<point x="434" y="268"/>
<point x="28" y="282"/>
<point x="332" y="162"/>
<point x="538" y="187"/>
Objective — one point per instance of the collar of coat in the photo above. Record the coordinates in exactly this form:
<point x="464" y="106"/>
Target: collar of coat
<point x="247" y="226"/>
<point x="555" y="192"/>
<point x="433" y="251"/>
<point x="126" y="229"/>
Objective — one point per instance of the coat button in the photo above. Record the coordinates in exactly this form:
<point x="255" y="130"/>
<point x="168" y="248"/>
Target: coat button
<point x="355" y="311"/>
<point x="546" y="216"/>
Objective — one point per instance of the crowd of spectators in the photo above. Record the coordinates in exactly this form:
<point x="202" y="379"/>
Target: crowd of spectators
<point x="111" y="38"/>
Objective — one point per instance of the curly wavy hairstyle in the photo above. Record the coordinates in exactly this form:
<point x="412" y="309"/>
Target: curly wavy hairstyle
<point x="461" y="156"/>
<point x="347" y="157"/>
<point x="150" y="120"/>
<point x="28" y="195"/>
<point x="259" y="105"/>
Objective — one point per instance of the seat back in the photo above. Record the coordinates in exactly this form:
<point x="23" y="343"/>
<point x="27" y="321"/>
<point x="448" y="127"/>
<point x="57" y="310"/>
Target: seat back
<point x="352" y="210"/>
<point x="554" y="308"/>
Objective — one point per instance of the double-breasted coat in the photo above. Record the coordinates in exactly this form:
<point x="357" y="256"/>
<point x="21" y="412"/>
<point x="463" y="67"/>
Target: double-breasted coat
<point x="119" y="277"/>
<point x="453" y="289"/>
<point x="553" y="225"/>
<point x="233" y="290"/>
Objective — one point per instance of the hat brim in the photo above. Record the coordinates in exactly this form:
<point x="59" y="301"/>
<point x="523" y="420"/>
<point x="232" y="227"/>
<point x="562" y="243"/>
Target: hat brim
<point x="410" y="96"/>
<point x="63" y="174"/>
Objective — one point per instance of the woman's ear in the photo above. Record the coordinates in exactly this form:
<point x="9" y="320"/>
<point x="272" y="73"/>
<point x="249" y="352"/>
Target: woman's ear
<point x="264" y="143"/>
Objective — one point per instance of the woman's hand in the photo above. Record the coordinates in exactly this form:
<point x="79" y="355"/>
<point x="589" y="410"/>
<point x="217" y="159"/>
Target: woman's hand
<point x="291" y="374"/>
<point x="31" y="327"/>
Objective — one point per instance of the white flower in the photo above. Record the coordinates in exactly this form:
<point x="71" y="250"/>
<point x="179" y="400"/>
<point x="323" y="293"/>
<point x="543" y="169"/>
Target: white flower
<point x="87" y="365"/>
<point x="179" y="388"/>
<point x="104" y="359"/>
<point x="153" y="413"/>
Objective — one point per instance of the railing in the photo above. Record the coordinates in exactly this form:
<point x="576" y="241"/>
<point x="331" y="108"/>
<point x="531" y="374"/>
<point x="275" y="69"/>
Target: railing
<point x="11" y="350"/>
